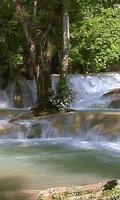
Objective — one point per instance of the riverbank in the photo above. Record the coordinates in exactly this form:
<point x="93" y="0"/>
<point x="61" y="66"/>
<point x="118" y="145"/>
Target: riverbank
<point x="100" y="191"/>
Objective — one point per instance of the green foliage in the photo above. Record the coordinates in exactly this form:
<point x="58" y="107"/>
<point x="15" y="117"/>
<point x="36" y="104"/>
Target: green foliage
<point x="96" y="40"/>
<point x="11" y="40"/>
<point x="114" y="193"/>
<point x="41" y="196"/>
<point x="58" y="196"/>
<point x="63" y="95"/>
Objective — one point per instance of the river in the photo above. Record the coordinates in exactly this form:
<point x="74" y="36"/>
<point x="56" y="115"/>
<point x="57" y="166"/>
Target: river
<point x="63" y="149"/>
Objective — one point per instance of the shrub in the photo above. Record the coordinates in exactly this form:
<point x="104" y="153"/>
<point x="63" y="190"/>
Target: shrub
<point x="63" y="95"/>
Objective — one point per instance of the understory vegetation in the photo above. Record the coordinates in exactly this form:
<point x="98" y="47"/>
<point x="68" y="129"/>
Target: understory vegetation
<point x="63" y="95"/>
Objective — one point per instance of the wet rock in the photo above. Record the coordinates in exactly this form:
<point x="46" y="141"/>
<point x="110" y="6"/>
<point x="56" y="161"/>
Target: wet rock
<point x="22" y="116"/>
<point x="13" y="131"/>
<point x="112" y="92"/>
<point x="114" y="104"/>
<point x="115" y="98"/>
<point x="110" y="185"/>
<point x="36" y="131"/>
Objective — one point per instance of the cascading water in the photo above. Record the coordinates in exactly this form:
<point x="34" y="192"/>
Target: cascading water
<point x="4" y="100"/>
<point x="62" y="149"/>
<point x="23" y="92"/>
<point x="89" y="89"/>
<point x="93" y="88"/>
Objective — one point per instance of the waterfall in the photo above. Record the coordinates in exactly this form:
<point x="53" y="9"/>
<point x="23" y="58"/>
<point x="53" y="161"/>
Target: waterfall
<point x="4" y="100"/>
<point x="85" y="125"/>
<point x="29" y="92"/>
<point x="88" y="89"/>
<point x="12" y="130"/>
<point x="22" y="93"/>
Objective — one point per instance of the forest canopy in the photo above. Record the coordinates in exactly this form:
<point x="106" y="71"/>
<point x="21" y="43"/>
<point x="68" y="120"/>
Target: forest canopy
<point x="94" y="34"/>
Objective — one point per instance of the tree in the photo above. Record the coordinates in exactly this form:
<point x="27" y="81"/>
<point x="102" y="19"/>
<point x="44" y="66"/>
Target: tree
<point x="40" y="69"/>
<point x="66" y="37"/>
<point x="11" y="39"/>
<point x="96" y="39"/>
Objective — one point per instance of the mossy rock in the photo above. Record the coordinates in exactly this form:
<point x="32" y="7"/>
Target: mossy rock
<point x="114" y="103"/>
<point x="36" y="131"/>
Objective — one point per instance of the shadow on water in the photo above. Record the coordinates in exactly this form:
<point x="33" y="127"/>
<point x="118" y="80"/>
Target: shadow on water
<point x="11" y="187"/>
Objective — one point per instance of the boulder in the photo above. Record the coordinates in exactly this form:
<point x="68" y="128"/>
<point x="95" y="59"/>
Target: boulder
<point x="115" y="98"/>
<point x="112" y="92"/>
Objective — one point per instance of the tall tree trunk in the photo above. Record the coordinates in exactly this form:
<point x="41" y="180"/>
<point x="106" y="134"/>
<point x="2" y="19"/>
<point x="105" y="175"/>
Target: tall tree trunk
<point x="35" y="8"/>
<point x="27" y="62"/>
<point x="41" y="73"/>
<point x="66" y="38"/>
<point x="44" y="89"/>
<point x="30" y="43"/>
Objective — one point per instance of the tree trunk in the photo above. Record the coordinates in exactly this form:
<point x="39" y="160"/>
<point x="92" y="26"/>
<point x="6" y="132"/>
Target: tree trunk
<point x="41" y="73"/>
<point x="66" y="38"/>
<point x="27" y="63"/>
<point x="44" y="89"/>
<point x="35" y="8"/>
<point x="31" y="45"/>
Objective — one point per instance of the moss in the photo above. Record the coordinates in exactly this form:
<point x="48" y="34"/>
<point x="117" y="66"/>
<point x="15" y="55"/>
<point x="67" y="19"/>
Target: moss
<point x="44" y="111"/>
<point x="114" y="104"/>
<point x="41" y="196"/>
<point x="58" y="196"/>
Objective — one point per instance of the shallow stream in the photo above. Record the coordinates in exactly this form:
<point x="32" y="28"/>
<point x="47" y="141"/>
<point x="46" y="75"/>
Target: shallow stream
<point x="63" y="149"/>
<point x="70" y="150"/>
